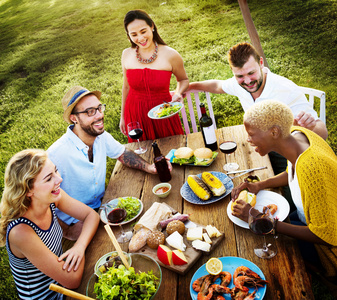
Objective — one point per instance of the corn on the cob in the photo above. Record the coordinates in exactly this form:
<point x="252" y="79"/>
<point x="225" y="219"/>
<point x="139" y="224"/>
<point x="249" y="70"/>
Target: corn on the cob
<point x="199" y="187"/>
<point x="213" y="183"/>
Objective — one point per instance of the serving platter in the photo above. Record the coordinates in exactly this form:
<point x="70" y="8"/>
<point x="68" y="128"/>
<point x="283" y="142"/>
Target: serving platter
<point x="187" y="193"/>
<point x="230" y="263"/>
<point x="171" y="156"/>
<point x="264" y="198"/>
<point x="114" y="202"/>
<point x="191" y="254"/>
<point x="152" y="113"/>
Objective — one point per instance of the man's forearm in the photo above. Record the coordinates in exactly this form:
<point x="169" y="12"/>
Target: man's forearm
<point x="132" y="160"/>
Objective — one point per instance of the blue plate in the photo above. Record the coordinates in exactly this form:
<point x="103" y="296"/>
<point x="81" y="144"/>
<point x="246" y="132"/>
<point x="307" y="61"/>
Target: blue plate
<point x="170" y="156"/>
<point x="230" y="263"/>
<point x="152" y="115"/>
<point x="187" y="193"/>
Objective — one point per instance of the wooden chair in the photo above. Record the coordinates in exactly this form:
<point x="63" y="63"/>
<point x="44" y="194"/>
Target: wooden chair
<point x="190" y="95"/>
<point x="312" y="93"/>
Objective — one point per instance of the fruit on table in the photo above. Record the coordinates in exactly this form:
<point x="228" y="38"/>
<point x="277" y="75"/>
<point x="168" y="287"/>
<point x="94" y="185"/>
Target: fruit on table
<point x="178" y="258"/>
<point x="213" y="183"/>
<point x="199" y="187"/>
<point x="214" y="266"/>
<point x="164" y="254"/>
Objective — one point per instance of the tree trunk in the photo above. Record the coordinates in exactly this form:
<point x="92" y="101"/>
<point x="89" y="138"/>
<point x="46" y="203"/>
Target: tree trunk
<point x="254" y="36"/>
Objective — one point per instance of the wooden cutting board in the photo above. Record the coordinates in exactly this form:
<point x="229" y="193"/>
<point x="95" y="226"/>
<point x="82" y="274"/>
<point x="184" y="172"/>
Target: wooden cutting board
<point x="191" y="254"/>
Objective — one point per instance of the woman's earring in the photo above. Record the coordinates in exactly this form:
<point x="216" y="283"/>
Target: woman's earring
<point x="153" y="29"/>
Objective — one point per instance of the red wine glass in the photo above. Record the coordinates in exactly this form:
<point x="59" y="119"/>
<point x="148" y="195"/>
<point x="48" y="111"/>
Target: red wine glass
<point x="261" y="222"/>
<point x="116" y="216"/>
<point x="135" y="132"/>
<point x="228" y="147"/>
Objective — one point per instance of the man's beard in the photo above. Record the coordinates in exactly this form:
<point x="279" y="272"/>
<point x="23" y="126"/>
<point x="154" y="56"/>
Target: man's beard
<point x="259" y="83"/>
<point x="90" y="130"/>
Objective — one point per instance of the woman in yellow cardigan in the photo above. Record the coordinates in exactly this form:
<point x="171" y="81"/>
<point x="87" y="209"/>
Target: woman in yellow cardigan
<point x="311" y="175"/>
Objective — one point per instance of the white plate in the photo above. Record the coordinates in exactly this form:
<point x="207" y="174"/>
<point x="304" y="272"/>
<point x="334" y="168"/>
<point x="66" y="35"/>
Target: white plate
<point x="230" y="263"/>
<point x="115" y="203"/>
<point x="103" y="260"/>
<point x="187" y="193"/>
<point x="151" y="114"/>
<point x="170" y="156"/>
<point x="264" y="198"/>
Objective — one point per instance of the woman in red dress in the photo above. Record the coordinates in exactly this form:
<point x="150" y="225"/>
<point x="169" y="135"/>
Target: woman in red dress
<point x="147" y="68"/>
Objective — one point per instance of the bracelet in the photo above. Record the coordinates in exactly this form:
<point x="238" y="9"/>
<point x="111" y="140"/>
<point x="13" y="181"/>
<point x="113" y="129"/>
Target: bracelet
<point x="274" y="227"/>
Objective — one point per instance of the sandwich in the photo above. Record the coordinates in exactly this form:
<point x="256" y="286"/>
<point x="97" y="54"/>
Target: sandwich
<point x="183" y="156"/>
<point x="246" y="196"/>
<point x="204" y="156"/>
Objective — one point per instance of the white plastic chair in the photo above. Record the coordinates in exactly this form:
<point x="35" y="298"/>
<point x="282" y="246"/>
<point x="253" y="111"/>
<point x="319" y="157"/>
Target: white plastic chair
<point x="312" y="93"/>
<point x="194" y="121"/>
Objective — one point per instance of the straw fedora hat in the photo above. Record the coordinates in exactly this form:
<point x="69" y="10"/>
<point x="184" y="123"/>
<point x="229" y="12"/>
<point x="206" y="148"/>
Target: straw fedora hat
<point x="72" y="97"/>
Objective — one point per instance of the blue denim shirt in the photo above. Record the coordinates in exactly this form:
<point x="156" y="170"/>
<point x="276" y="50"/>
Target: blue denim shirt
<point x="82" y="179"/>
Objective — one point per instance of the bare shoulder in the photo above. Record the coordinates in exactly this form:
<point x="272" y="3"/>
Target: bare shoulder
<point x="127" y="52"/>
<point x="19" y="236"/>
<point x="170" y="52"/>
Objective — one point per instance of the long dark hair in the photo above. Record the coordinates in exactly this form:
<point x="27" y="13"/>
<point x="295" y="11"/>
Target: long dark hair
<point x="141" y="15"/>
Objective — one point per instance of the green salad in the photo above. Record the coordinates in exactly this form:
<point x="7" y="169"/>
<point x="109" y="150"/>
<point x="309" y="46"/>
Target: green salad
<point x="131" y="205"/>
<point x="168" y="110"/>
<point x="126" y="284"/>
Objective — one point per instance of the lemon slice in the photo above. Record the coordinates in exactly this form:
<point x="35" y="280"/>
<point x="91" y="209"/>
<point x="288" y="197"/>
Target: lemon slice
<point x="214" y="266"/>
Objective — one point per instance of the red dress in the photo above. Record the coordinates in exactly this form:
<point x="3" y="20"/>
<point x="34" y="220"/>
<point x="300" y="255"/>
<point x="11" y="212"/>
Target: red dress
<point x="149" y="88"/>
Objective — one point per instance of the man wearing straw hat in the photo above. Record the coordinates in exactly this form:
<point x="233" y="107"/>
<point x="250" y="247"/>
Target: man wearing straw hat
<point x="80" y="154"/>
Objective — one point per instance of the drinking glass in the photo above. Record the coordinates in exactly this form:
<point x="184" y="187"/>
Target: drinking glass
<point x="116" y="216"/>
<point x="261" y="222"/>
<point x="135" y="132"/>
<point x="228" y="147"/>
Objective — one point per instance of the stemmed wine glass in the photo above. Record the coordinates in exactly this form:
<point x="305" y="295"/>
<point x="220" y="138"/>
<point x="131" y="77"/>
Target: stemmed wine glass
<point x="116" y="215"/>
<point x="135" y="132"/>
<point x="228" y="147"/>
<point x="261" y="222"/>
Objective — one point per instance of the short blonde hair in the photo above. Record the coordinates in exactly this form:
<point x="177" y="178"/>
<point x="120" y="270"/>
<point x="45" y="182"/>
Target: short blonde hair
<point x="269" y="113"/>
<point x="21" y="172"/>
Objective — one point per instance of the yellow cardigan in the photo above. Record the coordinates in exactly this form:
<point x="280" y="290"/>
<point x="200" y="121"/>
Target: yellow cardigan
<point x="316" y="170"/>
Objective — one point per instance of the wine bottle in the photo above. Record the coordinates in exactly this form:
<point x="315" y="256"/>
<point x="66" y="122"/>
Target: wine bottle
<point x="161" y="164"/>
<point x="207" y="129"/>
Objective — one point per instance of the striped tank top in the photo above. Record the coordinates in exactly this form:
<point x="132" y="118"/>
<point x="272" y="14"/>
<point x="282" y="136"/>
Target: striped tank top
<point x="30" y="282"/>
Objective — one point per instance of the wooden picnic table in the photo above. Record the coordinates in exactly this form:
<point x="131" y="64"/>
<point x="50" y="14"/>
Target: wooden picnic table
<point x="285" y="273"/>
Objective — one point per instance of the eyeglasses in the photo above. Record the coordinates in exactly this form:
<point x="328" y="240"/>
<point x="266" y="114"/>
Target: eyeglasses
<point x="92" y="110"/>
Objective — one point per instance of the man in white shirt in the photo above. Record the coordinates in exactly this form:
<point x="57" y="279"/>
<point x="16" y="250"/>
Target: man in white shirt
<point x="252" y="83"/>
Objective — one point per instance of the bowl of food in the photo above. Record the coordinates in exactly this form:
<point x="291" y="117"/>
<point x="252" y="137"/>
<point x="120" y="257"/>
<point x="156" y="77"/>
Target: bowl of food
<point x="162" y="190"/>
<point x="109" y="260"/>
<point x="143" y="279"/>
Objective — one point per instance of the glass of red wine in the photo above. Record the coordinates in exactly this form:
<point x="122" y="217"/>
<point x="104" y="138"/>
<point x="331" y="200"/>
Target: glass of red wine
<point x="228" y="147"/>
<point x="261" y="222"/>
<point x="135" y="132"/>
<point x="116" y="216"/>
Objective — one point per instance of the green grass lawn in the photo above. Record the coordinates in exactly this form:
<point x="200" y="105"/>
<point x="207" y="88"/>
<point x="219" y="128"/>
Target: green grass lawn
<point x="48" y="46"/>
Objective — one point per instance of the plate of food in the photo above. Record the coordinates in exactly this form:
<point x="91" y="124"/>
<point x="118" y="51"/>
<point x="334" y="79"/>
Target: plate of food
<point x="132" y="205"/>
<point x="165" y="110"/>
<point x="108" y="260"/>
<point x="201" y="157"/>
<point x="202" y="191"/>
<point x="264" y="198"/>
<point x="230" y="264"/>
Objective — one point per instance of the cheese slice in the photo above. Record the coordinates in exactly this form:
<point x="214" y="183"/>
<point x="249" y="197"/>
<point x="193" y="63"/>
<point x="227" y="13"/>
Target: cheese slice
<point x="200" y="245"/>
<point x="175" y="240"/>
<point x="206" y="238"/>
<point x="194" y="233"/>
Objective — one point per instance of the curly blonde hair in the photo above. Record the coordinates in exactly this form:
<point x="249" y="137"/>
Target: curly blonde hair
<point x="21" y="172"/>
<point x="269" y="113"/>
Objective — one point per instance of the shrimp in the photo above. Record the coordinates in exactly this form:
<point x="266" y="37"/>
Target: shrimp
<point x="240" y="281"/>
<point x="242" y="270"/>
<point x="225" y="278"/>
<point x="239" y="294"/>
<point x="198" y="282"/>
<point x="220" y="289"/>
<point x="272" y="208"/>
<point x="206" y="292"/>
<point x="250" y="296"/>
